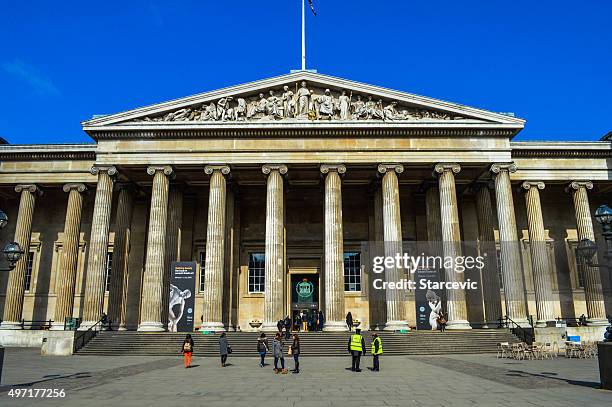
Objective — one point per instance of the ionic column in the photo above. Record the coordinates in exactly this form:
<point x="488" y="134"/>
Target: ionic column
<point x="13" y="305"/>
<point x="64" y="301"/>
<point x="117" y="296"/>
<point x="514" y="288"/>
<point x="275" y="246"/>
<point x="486" y="236"/>
<point x="334" y="249"/>
<point x="98" y="246"/>
<point x="451" y="243"/>
<point x="173" y="242"/>
<point x="392" y="225"/>
<point x="215" y="249"/>
<point x="539" y="254"/>
<point x="593" y="292"/>
<point x="152" y="287"/>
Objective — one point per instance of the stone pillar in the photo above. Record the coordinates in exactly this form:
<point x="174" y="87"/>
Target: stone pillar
<point x="152" y="287"/>
<point x="392" y="224"/>
<point x="215" y="249"/>
<point x="486" y="236"/>
<point x="64" y="301"/>
<point x="539" y="254"/>
<point x="98" y="247"/>
<point x="334" y="249"/>
<point x="117" y="296"/>
<point x="593" y="292"/>
<point x="514" y="287"/>
<point x="275" y="247"/>
<point x="173" y="243"/>
<point x="451" y="243"/>
<point x="13" y="305"/>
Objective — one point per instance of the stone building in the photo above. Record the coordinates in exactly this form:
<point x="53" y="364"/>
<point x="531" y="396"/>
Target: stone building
<point x="279" y="181"/>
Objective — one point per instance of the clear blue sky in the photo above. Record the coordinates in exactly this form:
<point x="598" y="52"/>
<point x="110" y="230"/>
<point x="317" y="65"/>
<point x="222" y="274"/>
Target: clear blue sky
<point x="548" y="61"/>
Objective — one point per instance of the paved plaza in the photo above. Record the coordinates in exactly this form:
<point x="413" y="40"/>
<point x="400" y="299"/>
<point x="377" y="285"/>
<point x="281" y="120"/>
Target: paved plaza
<point x="420" y="381"/>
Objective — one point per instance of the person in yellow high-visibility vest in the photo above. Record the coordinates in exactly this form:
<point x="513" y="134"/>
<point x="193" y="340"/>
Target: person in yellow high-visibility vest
<point x="356" y="346"/>
<point x="377" y="350"/>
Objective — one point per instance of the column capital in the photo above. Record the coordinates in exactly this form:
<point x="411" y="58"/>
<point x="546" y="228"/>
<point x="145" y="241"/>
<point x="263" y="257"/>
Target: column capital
<point x="268" y="168"/>
<point x="75" y="186"/>
<point x="109" y="169"/>
<point x="339" y="168"/>
<point x="440" y="168"/>
<point x="576" y="185"/>
<point x="33" y="188"/>
<point x="527" y="185"/>
<point x="386" y="167"/>
<point x="166" y="169"/>
<point x="223" y="168"/>
<point x="496" y="168"/>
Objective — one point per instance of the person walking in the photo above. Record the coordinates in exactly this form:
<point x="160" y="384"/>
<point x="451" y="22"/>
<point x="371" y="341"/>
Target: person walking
<point x="287" y="327"/>
<point x="377" y="350"/>
<point x="356" y="345"/>
<point x="349" y="321"/>
<point x="277" y="350"/>
<point x="279" y="325"/>
<point x="298" y="322"/>
<point x="262" y="348"/>
<point x="304" y="321"/>
<point x="295" y="351"/>
<point x="187" y="350"/>
<point x="442" y="321"/>
<point x="321" y="320"/>
<point x="224" y="349"/>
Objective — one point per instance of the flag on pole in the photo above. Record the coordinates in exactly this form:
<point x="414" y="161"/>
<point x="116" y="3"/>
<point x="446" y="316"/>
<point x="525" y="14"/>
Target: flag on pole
<point x="312" y="7"/>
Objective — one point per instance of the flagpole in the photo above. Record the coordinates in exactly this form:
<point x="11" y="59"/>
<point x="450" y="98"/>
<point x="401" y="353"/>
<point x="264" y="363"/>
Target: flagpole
<point x="303" y="37"/>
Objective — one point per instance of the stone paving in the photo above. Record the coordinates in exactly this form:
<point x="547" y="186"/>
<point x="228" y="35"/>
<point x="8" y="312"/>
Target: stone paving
<point x="450" y="380"/>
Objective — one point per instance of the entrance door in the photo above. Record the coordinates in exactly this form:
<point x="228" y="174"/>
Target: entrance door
<point x="304" y="300"/>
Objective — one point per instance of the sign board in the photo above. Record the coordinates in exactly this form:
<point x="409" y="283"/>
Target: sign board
<point x="182" y="298"/>
<point x="428" y="302"/>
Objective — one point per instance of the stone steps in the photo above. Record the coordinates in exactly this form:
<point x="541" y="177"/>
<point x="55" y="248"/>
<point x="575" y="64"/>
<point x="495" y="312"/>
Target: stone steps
<point x="244" y="344"/>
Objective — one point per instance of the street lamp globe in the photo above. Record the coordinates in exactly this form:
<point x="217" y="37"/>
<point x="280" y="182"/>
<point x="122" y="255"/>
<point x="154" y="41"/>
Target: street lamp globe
<point x="603" y="215"/>
<point x="12" y="251"/>
<point x="3" y="219"/>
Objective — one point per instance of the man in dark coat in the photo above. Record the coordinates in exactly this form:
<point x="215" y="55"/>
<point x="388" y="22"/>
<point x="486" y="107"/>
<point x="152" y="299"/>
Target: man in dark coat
<point x="287" y="327"/>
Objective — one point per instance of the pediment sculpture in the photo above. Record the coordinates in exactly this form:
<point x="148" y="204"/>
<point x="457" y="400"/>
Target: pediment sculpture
<point x="300" y="103"/>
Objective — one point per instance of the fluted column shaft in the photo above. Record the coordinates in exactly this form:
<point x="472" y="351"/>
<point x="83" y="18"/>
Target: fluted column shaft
<point x="392" y="231"/>
<point x="98" y="246"/>
<point x="275" y="247"/>
<point x="334" y="249"/>
<point x="64" y="301"/>
<point x="514" y="288"/>
<point x="151" y="316"/>
<point x="539" y="254"/>
<point x="215" y="250"/>
<point x="451" y="243"/>
<point x="173" y="243"/>
<point x="593" y="291"/>
<point x="13" y="306"/>
<point x="486" y="236"/>
<point x="117" y="296"/>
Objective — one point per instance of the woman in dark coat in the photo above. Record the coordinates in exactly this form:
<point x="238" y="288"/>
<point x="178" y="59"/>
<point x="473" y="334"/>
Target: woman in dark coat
<point x="262" y="348"/>
<point x="349" y="321"/>
<point x="223" y="348"/>
<point x="295" y="351"/>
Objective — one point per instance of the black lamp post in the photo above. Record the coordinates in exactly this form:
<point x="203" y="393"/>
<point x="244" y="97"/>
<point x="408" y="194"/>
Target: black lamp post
<point x="587" y="249"/>
<point x="12" y="251"/>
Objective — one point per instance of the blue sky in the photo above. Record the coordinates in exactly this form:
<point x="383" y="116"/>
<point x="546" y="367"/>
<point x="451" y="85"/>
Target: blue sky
<point x="549" y="62"/>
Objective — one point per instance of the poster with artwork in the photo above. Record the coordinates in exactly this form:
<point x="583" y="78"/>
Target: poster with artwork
<point x="182" y="290"/>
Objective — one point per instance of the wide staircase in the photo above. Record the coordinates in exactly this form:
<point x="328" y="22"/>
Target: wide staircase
<point x="311" y="343"/>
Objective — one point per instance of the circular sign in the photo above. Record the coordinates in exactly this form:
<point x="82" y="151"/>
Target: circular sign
<point x="304" y="288"/>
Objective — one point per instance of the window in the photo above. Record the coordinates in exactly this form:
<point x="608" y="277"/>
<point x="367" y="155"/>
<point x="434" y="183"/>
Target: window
<point x="202" y="261"/>
<point x="257" y="272"/>
<point x="109" y="267"/>
<point x="500" y="274"/>
<point x="352" y="271"/>
<point x="28" y="273"/>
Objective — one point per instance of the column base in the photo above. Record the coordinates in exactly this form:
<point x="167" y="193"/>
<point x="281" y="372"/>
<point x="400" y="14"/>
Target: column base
<point x="212" y="327"/>
<point x="597" y="322"/>
<point x="151" y="327"/>
<point x="122" y="328"/>
<point x="545" y="324"/>
<point x="458" y="324"/>
<point x="11" y="325"/>
<point x="335" y="326"/>
<point x="396" y="326"/>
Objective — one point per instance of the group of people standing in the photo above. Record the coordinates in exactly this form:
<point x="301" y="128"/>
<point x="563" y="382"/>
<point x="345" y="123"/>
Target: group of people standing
<point x="304" y="322"/>
<point x="278" y="351"/>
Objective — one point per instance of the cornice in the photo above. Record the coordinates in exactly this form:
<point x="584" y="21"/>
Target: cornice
<point x="42" y="152"/>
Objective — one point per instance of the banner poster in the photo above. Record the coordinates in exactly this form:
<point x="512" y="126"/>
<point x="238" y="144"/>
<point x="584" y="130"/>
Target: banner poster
<point x="182" y="290"/>
<point x="428" y="302"/>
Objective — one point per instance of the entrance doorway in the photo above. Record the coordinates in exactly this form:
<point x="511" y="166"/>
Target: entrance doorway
<point x="304" y="301"/>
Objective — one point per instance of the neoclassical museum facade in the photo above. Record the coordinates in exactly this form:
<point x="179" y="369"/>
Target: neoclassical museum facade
<point x="280" y="181"/>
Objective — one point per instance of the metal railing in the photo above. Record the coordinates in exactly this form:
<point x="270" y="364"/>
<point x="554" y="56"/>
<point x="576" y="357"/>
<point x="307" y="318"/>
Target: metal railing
<point x="527" y="335"/>
<point x="84" y="337"/>
<point x="36" y="324"/>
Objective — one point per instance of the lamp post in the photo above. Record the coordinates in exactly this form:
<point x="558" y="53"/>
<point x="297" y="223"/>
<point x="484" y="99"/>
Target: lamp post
<point x="12" y="251"/>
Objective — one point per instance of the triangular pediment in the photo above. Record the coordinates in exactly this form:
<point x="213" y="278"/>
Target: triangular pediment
<point x="302" y="97"/>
